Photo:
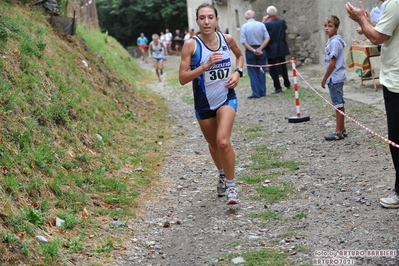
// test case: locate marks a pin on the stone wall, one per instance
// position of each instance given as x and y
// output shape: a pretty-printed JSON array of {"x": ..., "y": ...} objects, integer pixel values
[{"x": 305, "y": 19}]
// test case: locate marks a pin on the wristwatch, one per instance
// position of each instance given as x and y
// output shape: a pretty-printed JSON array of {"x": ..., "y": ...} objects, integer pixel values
[{"x": 239, "y": 70}]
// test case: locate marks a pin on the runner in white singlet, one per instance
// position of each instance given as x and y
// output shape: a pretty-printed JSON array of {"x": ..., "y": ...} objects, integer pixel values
[{"x": 158, "y": 52}]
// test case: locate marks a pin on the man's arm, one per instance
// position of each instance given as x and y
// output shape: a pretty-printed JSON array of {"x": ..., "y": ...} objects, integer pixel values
[
  {"x": 358, "y": 14},
  {"x": 265, "y": 41},
  {"x": 264, "y": 44},
  {"x": 249, "y": 47}
]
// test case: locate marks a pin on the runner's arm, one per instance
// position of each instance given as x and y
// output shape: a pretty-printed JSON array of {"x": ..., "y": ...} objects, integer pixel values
[{"x": 185, "y": 73}]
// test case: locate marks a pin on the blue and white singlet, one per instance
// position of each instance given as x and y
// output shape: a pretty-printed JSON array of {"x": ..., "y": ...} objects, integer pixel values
[
  {"x": 210, "y": 91},
  {"x": 157, "y": 50}
]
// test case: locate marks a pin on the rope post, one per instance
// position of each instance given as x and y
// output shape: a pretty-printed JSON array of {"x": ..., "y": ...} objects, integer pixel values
[{"x": 298, "y": 118}]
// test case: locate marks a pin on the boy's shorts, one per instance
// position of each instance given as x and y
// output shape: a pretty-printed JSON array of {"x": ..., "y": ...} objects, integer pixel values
[{"x": 337, "y": 94}]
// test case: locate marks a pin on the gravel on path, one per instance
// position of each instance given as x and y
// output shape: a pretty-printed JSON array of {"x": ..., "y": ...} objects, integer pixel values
[{"x": 333, "y": 207}]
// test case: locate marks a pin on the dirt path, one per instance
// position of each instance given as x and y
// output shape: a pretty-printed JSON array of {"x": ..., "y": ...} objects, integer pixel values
[{"x": 332, "y": 208}]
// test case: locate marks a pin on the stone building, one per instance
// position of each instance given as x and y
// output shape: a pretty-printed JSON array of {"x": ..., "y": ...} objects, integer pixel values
[{"x": 305, "y": 19}]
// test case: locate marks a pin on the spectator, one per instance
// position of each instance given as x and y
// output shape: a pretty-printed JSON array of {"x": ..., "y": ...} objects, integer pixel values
[
  {"x": 374, "y": 16},
  {"x": 168, "y": 39},
  {"x": 162, "y": 39},
  {"x": 386, "y": 32},
  {"x": 277, "y": 49},
  {"x": 334, "y": 76},
  {"x": 178, "y": 39},
  {"x": 254, "y": 37},
  {"x": 187, "y": 35}
]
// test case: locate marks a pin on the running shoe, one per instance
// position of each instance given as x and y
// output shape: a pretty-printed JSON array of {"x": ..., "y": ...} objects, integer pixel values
[
  {"x": 232, "y": 197},
  {"x": 221, "y": 188},
  {"x": 391, "y": 202}
]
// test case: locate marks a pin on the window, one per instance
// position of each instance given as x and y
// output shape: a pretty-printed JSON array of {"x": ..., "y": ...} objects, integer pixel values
[{"x": 237, "y": 19}]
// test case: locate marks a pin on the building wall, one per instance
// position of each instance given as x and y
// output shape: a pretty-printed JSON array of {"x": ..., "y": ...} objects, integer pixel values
[{"x": 305, "y": 19}]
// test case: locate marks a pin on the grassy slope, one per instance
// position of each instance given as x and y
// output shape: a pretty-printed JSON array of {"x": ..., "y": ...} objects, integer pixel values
[{"x": 76, "y": 142}]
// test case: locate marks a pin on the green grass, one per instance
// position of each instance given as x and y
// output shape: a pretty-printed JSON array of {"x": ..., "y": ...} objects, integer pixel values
[
  {"x": 268, "y": 165},
  {"x": 8, "y": 238},
  {"x": 173, "y": 81},
  {"x": 265, "y": 158},
  {"x": 76, "y": 245},
  {"x": 71, "y": 139},
  {"x": 272, "y": 194},
  {"x": 256, "y": 131},
  {"x": 264, "y": 257},
  {"x": 268, "y": 215},
  {"x": 251, "y": 179},
  {"x": 73, "y": 136},
  {"x": 359, "y": 110},
  {"x": 51, "y": 250}
]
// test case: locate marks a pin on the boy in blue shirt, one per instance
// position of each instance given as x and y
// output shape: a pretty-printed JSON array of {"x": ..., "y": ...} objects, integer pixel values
[{"x": 334, "y": 75}]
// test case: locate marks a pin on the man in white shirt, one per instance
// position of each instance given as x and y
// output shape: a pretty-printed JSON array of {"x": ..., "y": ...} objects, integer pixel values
[
  {"x": 168, "y": 40},
  {"x": 386, "y": 32},
  {"x": 374, "y": 15}
]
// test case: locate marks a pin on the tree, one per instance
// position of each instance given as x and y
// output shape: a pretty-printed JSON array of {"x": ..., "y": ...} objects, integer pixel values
[{"x": 126, "y": 19}]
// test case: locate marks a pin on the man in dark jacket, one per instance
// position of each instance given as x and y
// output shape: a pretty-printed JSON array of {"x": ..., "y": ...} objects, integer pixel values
[{"x": 277, "y": 49}]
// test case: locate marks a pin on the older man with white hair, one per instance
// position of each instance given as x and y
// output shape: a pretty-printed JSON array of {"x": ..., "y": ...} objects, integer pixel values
[
  {"x": 277, "y": 49},
  {"x": 255, "y": 38}
]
